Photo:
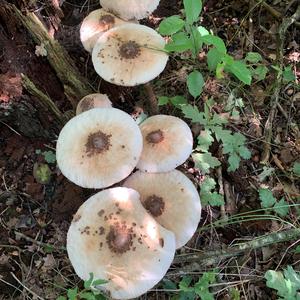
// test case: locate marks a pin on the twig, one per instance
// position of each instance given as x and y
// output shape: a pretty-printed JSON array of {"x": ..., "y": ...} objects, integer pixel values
[
  {"x": 153, "y": 104},
  {"x": 25, "y": 287},
  {"x": 211, "y": 257},
  {"x": 221, "y": 192},
  {"x": 286, "y": 23},
  {"x": 275, "y": 13},
  {"x": 45, "y": 101}
]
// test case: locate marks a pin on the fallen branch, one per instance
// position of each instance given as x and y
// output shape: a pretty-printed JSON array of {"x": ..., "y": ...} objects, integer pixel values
[
  {"x": 212, "y": 257},
  {"x": 75, "y": 85},
  {"x": 44, "y": 100},
  {"x": 286, "y": 23}
]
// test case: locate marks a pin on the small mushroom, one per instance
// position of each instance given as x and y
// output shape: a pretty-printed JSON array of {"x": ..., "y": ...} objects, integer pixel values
[
  {"x": 172, "y": 199},
  {"x": 168, "y": 142},
  {"x": 130, "y": 9},
  {"x": 95, "y": 24},
  {"x": 93, "y": 101},
  {"x": 113, "y": 237},
  {"x": 129, "y": 55},
  {"x": 99, "y": 147}
]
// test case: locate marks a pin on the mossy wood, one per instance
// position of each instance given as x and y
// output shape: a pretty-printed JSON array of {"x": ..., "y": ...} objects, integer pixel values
[{"x": 75, "y": 85}]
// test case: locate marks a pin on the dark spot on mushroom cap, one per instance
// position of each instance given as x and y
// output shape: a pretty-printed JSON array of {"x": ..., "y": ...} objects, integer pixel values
[
  {"x": 119, "y": 238},
  {"x": 129, "y": 50},
  {"x": 101, "y": 212},
  {"x": 155, "y": 137},
  {"x": 154, "y": 205},
  {"x": 101, "y": 230},
  {"x": 97, "y": 143},
  {"x": 76, "y": 218},
  {"x": 161, "y": 242}
]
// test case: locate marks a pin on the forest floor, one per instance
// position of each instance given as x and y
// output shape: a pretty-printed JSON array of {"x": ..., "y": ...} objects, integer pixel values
[{"x": 35, "y": 215}]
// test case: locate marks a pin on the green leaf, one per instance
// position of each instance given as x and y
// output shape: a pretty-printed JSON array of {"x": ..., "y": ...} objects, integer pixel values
[
  {"x": 88, "y": 282},
  {"x": 99, "y": 282},
  {"x": 296, "y": 168},
  {"x": 171, "y": 25},
  {"x": 214, "y": 57},
  {"x": 163, "y": 100},
  {"x": 206, "y": 194},
  {"x": 205, "y": 140},
  {"x": 61, "y": 298},
  {"x": 244, "y": 152},
  {"x": 168, "y": 284},
  {"x": 195, "y": 83},
  {"x": 50, "y": 157},
  {"x": 253, "y": 57},
  {"x": 178, "y": 101},
  {"x": 42, "y": 173},
  {"x": 193, "y": 113},
  {"x": 281, "y": 208},
  {"x": 180, "y": 43},
  {"x": 72, "y": 293},
  {"x": 260, "y": 72},
  {"x": 205, "y": 161},
  {"x": 184, "y": 284},
  {"x": 240, "y": 70},
  {"x": 215, "y": 41},
  {"x": 234, "y": 162},
  {"x": 266, "y": 198},
  {"x": 202, "y": 30},
  {"x": 87, "y": 296},
  {"x": 192, "y": 10},
  {"x": 267, "y": 171},
  {"x": 288, "y": 74}
]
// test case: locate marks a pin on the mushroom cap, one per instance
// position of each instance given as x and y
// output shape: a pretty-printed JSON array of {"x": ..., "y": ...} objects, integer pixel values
[
  {"x": 93, "y": 101},
  {"x": 95, "y": 24},
  {"x": 130, "y": 9},
  {"x": 172, "y": 199},
  {"x": 99, "y": 147},
  {"x": 129, "y": 55},
  {"x": 168, "y": 142},
  {"x": 114, "y": 237}
]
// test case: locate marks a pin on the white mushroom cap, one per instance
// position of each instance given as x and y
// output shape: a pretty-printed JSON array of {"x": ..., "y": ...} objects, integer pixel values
[
  {"x": 129, "y": 55},
  {"x": 93, "y": 101},
  {"x": 114, "y": 237},
  {"x": 168, "y": 142},
  {"x": 172, "y": 199},
  {"x": 99, "y": 147},
  {"x": 130, "y": 9},
  {"x": 95, "y": 24}
]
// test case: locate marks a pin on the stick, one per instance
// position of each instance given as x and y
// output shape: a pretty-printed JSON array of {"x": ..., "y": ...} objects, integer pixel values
[
  {"x": 75, "y": 85},
  {"x": 153, "y": 105},
  {"x": 210, "y": 257},
  {"x": 45, "y": 101}
]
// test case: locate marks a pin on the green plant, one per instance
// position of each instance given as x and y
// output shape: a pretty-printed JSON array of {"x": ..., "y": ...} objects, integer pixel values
[
  {"x": 267, "y": 199},
  {"x": 286, "y": 283},
  {"x": 89, "y": 292},
  {"x": 187, "y": 290},
  {"x": 49, "y": 156},
  {"x": 186, "y": 35}
]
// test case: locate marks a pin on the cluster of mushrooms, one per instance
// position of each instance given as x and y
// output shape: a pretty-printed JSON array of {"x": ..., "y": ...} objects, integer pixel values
[{"x": 127, "y": 234}]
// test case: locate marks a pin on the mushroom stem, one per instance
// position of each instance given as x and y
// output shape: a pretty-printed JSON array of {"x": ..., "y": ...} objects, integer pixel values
[
  {"x": 152, "y": 99},
  {"x": 45, "y": 101}
]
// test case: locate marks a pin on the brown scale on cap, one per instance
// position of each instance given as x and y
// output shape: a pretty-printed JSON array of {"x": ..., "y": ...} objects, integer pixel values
[
  {"x": 119, "y": 238},
  {"x": 155, "y": 137},
  {"x": 154, "y": 205},
  {"x": 108, "y": 21},
  {"x": 97, "y": 142},
  {"x": 130, "y": 50}
]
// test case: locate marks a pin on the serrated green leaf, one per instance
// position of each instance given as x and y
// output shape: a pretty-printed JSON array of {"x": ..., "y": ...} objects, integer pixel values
[
  {"x": 215, "y": 199},
  {"x": 215, "y": 41},
  {"x": 244, "y": 152},
  {"x": 234, "y": 162},
  {"x": 281, "y": 208},
  {"x": 208, "y": 184},
  {"x": 180, "y": 43},
  {"x": 288, "y": 74},
  {"x": 178, "y": 101},
  {"x": 253, "y": 57},
  {"x": 171, "y": 25},
  {"x": 168, "y": 284},
  {"x": 267, "y": 171},
  {"x": 88, "y": 282},
  {"x": 192, "y": 112},
  {"x": 72, "y": 293},
  {"x": 195, "y": 83},
  {"x": 163, "y": 100},
  {"x": 266, "y": 198},
  {"x": 205, "y": 161},
  {"x": 260, "y": 72},
  {"x": 87, "y": 296},
  {"x": 205, "y": 140},
  {"x": 240, "y": 70},
  {"x": 184, "y": 284},
  {"x": 296, "y": 168},
  {"x": 42, "y": 173},
  {"x": 50, "y": 157},
  {"x": 192, "y": 10},
  {"x": 214, "y": 57}
]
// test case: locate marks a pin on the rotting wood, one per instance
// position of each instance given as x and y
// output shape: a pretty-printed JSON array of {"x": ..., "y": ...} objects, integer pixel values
[
  {"x": 44, "y": 100},
  {"x": 75, "y": 85}
]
